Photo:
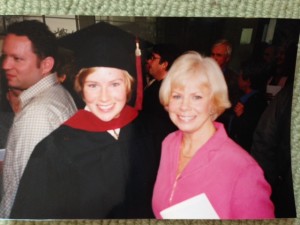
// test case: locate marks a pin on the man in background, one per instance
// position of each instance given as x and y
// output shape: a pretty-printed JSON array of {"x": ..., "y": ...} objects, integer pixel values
[
  {"x": 158, "y": 64},
  {"x": 29, "y": 58},
  {"x": 221, "y": 53}
]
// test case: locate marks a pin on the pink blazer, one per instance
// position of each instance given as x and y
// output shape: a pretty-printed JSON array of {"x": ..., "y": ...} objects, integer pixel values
[{"x": 231, "y": 179}]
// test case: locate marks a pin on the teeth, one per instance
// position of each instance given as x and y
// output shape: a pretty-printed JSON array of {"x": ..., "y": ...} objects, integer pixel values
[
  {"x": 186, "y": 118},
  {"x": 104, "y": 107}
]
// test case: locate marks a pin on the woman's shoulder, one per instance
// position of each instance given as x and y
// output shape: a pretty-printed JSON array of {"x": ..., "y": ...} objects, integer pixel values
[
  {"x": 234, "y": 154},
  {"x": 227, "y": 150}
]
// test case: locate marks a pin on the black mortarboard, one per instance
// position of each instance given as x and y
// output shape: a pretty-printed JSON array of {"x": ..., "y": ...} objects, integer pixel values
[
  {"x": 107, "y": 51},
  {"x": 103, "y": 44}
]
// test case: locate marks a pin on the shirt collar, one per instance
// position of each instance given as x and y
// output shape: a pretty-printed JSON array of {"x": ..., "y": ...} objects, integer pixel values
[{"x": 42, "y": 85}]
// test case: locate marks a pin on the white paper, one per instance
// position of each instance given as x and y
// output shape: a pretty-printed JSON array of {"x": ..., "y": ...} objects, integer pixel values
[
  {"x": 198, "y": 207},
  {"x": 2, "y": 154}
]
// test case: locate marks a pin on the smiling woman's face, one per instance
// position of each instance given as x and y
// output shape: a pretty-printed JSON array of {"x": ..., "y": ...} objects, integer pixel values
[
  {"x": 190, "y": 106},
  {"x": 104, "y": 92}
]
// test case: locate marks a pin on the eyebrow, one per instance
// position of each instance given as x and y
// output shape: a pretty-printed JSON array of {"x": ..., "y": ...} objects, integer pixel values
[{"x": 93, "y": 81}]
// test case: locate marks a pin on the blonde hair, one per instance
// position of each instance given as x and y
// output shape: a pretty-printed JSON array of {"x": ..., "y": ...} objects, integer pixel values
[
  {"x": 83, "y": 74},
  {"x": 192, "y": 65}
]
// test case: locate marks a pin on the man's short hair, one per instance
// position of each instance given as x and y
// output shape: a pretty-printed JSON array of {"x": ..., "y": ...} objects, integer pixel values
[
  {"x": 167, "y": 52},
  {"x": 44, "y": 42}
]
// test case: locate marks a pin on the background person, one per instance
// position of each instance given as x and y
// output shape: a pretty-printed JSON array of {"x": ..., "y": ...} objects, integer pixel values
[
  {"x": 250, "y": 106},
  {"x": 29, "y": 54},
  {"x": 272, "y": 149},
  {"x": 283, "y": 71},
  {"x": 158, "y": 64},
  {"x": 221, "y": 52},
  {"x": 200, "y": 158},
  {"x": 66, "y": 71},
  {"x": 7, "y": 108}
]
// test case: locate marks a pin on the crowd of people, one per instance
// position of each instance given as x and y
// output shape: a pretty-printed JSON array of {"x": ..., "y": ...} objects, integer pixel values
[{"x": 197, "y": 145}]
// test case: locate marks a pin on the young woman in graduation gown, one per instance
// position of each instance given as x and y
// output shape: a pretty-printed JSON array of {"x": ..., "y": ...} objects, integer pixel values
[{"x": 98, "y": 164}]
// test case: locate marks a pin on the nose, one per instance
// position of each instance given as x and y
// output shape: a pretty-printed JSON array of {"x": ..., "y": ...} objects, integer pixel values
[
  {"x": 185, "y": 103},
  {"x": 104, "y": 95}
]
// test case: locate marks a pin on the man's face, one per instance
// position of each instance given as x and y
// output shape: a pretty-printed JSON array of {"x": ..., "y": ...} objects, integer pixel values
[
  {"x": 22, "y": 66},
  {"x": 156, "y": 69},
  {"x": 219, "y": 54}
]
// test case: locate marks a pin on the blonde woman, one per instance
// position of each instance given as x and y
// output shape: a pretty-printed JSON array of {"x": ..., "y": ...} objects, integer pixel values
[{"x": 199, "y": 162}]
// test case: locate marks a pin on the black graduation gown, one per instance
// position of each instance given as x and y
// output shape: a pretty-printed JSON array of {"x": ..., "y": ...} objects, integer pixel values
[
  {"x": 80, "y": 174},
  {"x": 155, "y": 114}
]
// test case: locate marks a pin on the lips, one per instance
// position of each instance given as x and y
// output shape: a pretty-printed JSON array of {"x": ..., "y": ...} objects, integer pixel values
[
  {"x": 105, "y": 108},
  {"x": 10, "y": 76}
]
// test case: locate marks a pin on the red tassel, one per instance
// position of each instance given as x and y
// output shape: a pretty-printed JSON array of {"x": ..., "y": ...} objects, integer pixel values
[{"x": 139, "y": 86}]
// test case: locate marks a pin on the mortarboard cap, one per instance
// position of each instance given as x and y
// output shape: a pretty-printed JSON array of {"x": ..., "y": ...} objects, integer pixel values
[{"x": 105, "y": 51}]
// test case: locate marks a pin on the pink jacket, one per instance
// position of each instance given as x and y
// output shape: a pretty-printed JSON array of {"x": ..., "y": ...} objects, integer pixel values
[{"x": 231, "y": 179}]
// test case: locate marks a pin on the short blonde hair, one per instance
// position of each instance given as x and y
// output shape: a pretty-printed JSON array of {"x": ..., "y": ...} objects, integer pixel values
[
  {"x": 192, "y": 65},
  {"x": 83, "y": 74}
]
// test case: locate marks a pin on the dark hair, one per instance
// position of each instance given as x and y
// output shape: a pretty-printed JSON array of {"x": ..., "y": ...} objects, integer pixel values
[
  {"x": 44, "y": 42},
  {"x": 167, "y": 53}
]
